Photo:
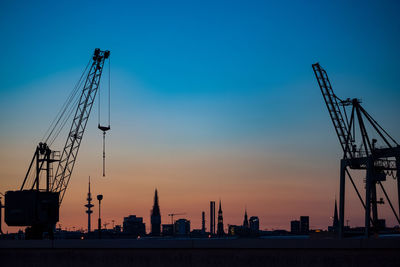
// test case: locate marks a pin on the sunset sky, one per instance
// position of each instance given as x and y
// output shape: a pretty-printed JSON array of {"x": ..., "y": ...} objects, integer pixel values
[{"x": 210, "y": 100}]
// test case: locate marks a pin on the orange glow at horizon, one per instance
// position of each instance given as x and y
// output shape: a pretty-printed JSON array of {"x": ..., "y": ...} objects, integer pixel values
[
  {"x": 192, "y": 155},
  {"x": 277, "y": 193}
]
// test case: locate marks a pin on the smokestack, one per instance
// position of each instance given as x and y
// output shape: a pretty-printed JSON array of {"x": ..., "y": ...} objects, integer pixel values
[
  {"x": 212, "y": 217},
  {"x": 203, "y": 222}
]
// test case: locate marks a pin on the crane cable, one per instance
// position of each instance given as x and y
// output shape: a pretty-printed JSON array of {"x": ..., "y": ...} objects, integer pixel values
[
  {"x": 63, "y": 115},
  {"x": 105, "y": 128},
  {"x": 66, "y": 108}
]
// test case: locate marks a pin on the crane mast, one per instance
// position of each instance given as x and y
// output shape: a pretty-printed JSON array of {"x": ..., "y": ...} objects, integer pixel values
[{"x": 74, "y": 139}]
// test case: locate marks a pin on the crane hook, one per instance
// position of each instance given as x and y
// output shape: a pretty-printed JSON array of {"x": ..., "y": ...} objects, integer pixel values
[{"x": 104, "y": 129}]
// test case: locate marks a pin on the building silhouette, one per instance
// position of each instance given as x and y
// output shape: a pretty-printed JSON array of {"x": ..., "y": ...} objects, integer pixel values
[
  {"x": 381, "y": 224},
  {"x": 245, "y": 221},
  {"x": 234, "y": 230},
  {"x": 254, "y": 224},
  {"x": 247, "y": 229},
  {"x": 167, "y": 229},
  {"x": 118, "y": 229},
  {"x": 134, "y": 226},
  {"x": 155, "y": 217},
  {"x": 220, "y": 226},
  {"x": 212, "y": 217},
  {"x": 304, "y": 224},
  {"x": 295, "y": 227},
  {"x": 182, "y": 227}
]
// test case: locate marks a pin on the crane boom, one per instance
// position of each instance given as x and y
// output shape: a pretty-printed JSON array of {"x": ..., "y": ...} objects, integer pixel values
[
  {"x": 74, "y": 139},
  {"x": 331, "y": 101}
]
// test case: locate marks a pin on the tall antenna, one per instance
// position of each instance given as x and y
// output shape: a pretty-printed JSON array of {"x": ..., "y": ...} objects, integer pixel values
[{"x": 89, "y": 205}]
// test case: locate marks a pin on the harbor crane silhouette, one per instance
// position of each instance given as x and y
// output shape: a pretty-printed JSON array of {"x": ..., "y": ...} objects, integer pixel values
[
  {"x": 36, "y": 204},
  {"x": 379, "y": 157}
]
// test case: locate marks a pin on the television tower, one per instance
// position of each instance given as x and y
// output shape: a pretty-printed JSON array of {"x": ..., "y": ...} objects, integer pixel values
[{"x": 89, "y": 205}]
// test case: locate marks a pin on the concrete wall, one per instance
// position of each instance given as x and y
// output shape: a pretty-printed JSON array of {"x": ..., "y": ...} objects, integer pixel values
[
  {"x": 200, "y": 243},
  {"x": 199, "y": 257},
  {"x": 201, "y": 252}
]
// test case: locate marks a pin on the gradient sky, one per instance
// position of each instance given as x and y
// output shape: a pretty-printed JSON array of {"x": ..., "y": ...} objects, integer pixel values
[{"x": 210, "y": 100}]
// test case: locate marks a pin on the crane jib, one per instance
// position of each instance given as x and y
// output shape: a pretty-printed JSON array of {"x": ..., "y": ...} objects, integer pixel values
[{"x": 74, "y": 139}]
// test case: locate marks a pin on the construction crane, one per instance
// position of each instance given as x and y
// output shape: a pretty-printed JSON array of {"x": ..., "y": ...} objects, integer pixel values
[
  {"x": 38, "y": 207},
  {"x": 379, "y": 157}
]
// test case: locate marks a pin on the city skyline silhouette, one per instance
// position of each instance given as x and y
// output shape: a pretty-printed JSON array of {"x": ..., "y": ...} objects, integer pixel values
[{"x": 222, "y": 106}]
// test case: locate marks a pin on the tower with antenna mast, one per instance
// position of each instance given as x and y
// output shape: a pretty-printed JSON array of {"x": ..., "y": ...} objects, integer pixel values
[{"x": 89, "y": 206}]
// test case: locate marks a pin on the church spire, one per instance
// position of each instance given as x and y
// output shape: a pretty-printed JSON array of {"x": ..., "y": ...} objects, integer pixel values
[
  {"x": 155, "y": 217},
  {"x": 156, "y": 198},
  {"x": 245, "y": 221},
  {"x": 220, "y": 226},
  {"x": 335, "y": 218}
]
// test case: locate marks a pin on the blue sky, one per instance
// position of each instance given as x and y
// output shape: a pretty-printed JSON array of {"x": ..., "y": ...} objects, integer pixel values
[
  {"x": 218, "y": 53},
  {"x": 202, "y": 75}
]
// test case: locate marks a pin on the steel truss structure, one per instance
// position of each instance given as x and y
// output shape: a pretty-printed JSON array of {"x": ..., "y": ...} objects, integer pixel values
[{"x": 360, "y": 152}]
